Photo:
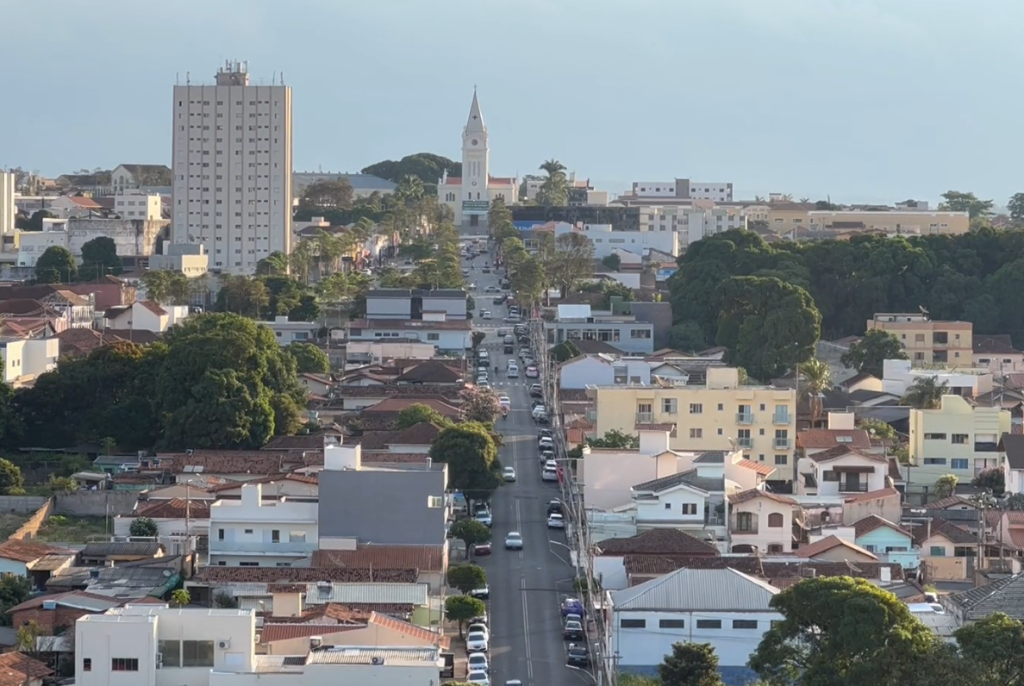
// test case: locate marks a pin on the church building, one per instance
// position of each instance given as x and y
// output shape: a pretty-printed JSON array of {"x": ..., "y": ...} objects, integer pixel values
[{"x": 470, "y": 197}]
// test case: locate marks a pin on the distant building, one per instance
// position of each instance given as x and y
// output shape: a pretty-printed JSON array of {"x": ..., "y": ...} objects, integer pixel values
[
  {"x": 682, "y": 189},
  {"x": 126, "y": 177},
  {"x": 8, "y": 209},
  {"x": 138, "y": 205},
  {"x": 926, "y": 341},
  {"x": 190, "y": 259}
]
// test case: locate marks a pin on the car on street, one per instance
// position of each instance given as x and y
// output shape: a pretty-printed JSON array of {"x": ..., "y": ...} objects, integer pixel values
[
  {"x": 484, "y": 517},
  {"x": 536, "y": 391},
  {"x": 532, "y": 372},
  {"x": 546, "y": 456},
  {"x": 508, "y": 474},
  {"x": 502, "y": 333},
  {"x": 514, "y": 682},
  {"x": 481, "y": 627},
  {"x": 573, "y": 631},
  {"x": 491, "y": 289},
  {"x": 549, "y": 475},
  {"x": 504, "y": 401},
  {"x": 485, "y": 314},
  {"x": 555, "y": 506},
  {"x": 477, "y": 662},
  {"x": 572, "y": 606},
  {"x": 546, "y": 443},
  {"x": 577, "y": 656},
  {"x": 550, "y": 464},
  {"x": 481, "y": 550},
  {"x": 476, "y": 641},
  {"x": 556, "y": 521},
  {"x": 483, "y": 383},
  {"x": 514, "y": 541},
  {"x": 542, "y": 419},
  {"x": 513, "y": 371},
  {"x": 538, "y": 408},
  {"x": 481, "y": 594},
  {"x": 481, "y": 619},
  {"x": 479, "y": 679},
  {"x": 408, "y": 261},
  {"x": 510, "y": 318},
  {"x": 486, "y": 270},
  {"x": 497, "y": 301}
]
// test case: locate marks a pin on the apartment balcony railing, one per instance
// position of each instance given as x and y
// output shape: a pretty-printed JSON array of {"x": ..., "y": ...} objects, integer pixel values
[
  {"x": 782, "y": 444},
  {"x": 745, "y": 442},
  {"x": 859, "y": 487},
  {"x": 743, "y": 530},
  {"x": 263, "y": 547},
  {"x": 986, "y": 447},
  {"x": 644, "y": 417},
  {"x": 783, "y": 419},
  {"x": 744, "y": 418}
]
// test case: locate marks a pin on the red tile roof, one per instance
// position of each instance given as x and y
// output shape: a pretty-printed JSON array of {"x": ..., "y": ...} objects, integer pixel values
[
  {"x": 15, "y": 666},
  {"x": 648, "y": 565},
  {"x": 399, "y": 404},
  {"x": 82, "y": 201},
  {"x": 277, "y": 631},
  {"x": 175, "y": 508},
  {"x": 872, "y": 522},
  {"x": 423, "y": 433},
  {"x": 754, "y": 493},
  {"x": 759, "y": 467},
  {"x": 410, "y": 630},
  {"x": 818, "y": 439},
  {"x": 950, "y": 501},
  {"x": 657, "y": 542},
  {"x": 423, "y": 557},
  {"x": 394, "y": 458},
  {"x": 233, "y": 462},
  {"x": 948, "y": 530},
  {"x": 27, "y": 551},
  {"x": 829, "y": 543},
  {"x": 273, "y": 478},
  {"x": 153, "y": 307}
]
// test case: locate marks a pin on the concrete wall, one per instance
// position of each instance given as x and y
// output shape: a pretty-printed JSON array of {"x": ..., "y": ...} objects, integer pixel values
[
  {"x": 95, "y": 503},
  {"x": 30, "y": 528},
  {"x": 21, "y": 504}
]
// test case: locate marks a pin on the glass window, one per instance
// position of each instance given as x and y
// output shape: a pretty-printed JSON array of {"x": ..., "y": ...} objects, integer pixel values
[
  {"x": 633, "y": 623},
  {"x": 709, "y": 624},
  {"x": 937, "y": 551},
  {"x": 959, "y": 463},
  {"x": 672, "y": 624},
  {"x": 126, "y": 664},
  {"x": 744, "y": 624},
  {"x": 170, "y": 652},
  {"x": 197, "y": 653}
]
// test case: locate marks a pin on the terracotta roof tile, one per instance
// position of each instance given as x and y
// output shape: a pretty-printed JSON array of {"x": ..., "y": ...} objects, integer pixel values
[
  {"x": 278, "y": 631},
  {"x": 386, "y": 457},
  {"x": 273, "y": 478},
  {"x": 423, "y": 433},
  {"x": 432, "y": 371},
  {"x": 153, "y": 307},
  {"x": 15, "y": 666},
  {"x": 649, "y": 565},
  {"x": 950, "y": 501},
  {"x": 657, "y": 542},
  {"x": 871, "y": 495},
  {"x": 815, "y": 439},
  {"x": 872, "y": 522},
  {"x": 269, "y": 575},
  {"x": 175, "y": 508},
  {"x": 948, "y": 530},
  {"x": 232, "y": 461},
  {"x": 288, "y": 443},
  {"x": 423, "y": 557},
  {"x": 838, "y": 451},
  {"x": 829, "y": 543},
  {"x": 759, "y": 467},
  {"x": 754, "y": 493},
  {"x": 410, "y": 630},
  {"x": 398, "y": 404},
  {"x": 27, "y": 551}
]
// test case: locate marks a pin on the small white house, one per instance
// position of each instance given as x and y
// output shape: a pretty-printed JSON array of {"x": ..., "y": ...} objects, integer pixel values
[
  {"x": 145, "y": 315},
  {"x": 288, "y": 332},
  {"x": 841, "y": 471},
  {"x": 603, "y": 370},
  {"x": 723, "y": 607},
  {"x": 253, "y": 533}
]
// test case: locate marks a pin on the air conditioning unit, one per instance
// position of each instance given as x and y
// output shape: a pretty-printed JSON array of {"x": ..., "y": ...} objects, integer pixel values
[
  {"x": 224, "y": 645},
  {"x": 377, "y": 660}
]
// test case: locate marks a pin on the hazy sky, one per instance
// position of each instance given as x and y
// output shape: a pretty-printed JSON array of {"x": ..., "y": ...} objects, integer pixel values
[{"x": 869, "y": 100}]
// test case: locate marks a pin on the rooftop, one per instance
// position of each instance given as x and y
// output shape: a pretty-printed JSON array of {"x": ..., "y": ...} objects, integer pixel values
[
  {"x": 381, "y": 557},
  {"x": 27, "y": 551},
  {"x": 1004, "y": 595},
  {"x": 411, "y": 324},
  {"x": 214, "y": 575},
  {"x": 698, "y": 590},
  {"x": 822, "y": 439},
  {"x": 830, "y": 543},
  {"x": 657, "y": 542},
  {"x": 386, "y": 657},
  {"x": 779, "y": 568},
  {"x": 754, "y": 493}
]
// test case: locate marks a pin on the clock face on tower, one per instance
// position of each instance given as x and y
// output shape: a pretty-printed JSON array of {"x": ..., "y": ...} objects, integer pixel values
[
  {"x": 474, "y": 142},
  {"x": 474, "y": 183}
]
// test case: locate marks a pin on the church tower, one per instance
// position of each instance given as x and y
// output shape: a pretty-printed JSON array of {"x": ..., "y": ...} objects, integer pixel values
[{"x": 475, "y": 156}]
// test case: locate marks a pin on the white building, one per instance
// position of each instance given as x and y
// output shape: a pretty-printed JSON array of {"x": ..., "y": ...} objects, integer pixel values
[
  {"x": 692, "y": 221},
  {"x": 138, "y": 205},
  {"x": 190, "y": 259},
  {"x": 899, "y": 375},
  {"x": 723, "y": 607},
  {"x": 232, "y": 165},
  {"x": 32, "y": 244},
  {"x": 684, "y": 189},
  {"x": 606, "y": 240},
  {"x": 470, "y": 197},
  {"x": 288, "y": 332},
  {"x": 132, "y": 237},
  {"x": 253, "y": 533},
  {"x": 25, "y": 359},
  {"x": 7, "y": 207},
  {"x": 145, "y": 315},
  {"x": 602, "y": 370}
]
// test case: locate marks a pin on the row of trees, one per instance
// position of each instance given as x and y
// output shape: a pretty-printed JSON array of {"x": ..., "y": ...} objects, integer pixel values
[{"x": 99, "y": 258}]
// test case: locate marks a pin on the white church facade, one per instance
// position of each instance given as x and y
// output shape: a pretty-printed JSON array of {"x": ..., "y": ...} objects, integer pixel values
[{"x": 470, "y": 197}]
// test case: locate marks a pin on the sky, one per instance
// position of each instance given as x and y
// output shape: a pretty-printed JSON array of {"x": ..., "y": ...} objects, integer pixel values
[{"x": 859, "y": 100}]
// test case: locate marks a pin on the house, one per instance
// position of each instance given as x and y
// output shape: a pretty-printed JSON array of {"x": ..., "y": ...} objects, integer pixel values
[
  {"x": 602, "y": 369},
  {"x": 579, "y": 322},
  {"x": 430, "y": 561},
  {"x": 947, "y": 551},
  {"x": 609, "y": 555},
  {"x": 55, "y": 612},
  {"x": 112, "y": 553},
  {"x": 316, "y": 384},
  {"x": 1012, "y": 445},
  {"x": 416, "y": 511},
  {"x": 34, "y": 560},
  {"x": 128, "y": 582},
  {"x": 145, "y": 315},
  {"x": 131, "y": 176},
  {"x": 722, "y": 607},
  {"x": 836, "y": 549},
  {"x": 1002, "y": 595},
  {"x": 382, "y": 414},
  {"x": 293, "y": 486},
  {"x": 448, "y": 335},
  {"x": 841, "y": 432},
  {"x": 74, "y": 206},
  {"x": 378, "y": 629},
  {"x": 761, "y": 521},
  {"x": 996, "y": 351},
  {"x": 888, "y": 541},
  {"x": 288, "y": 332},
  {"x": 234, "y": 465},
  {"x": 252, "y": 532},
  {"x": 175, "y": 517},
  {"x": 18, "y": 669},
  {"x": 842, "y": 470}
]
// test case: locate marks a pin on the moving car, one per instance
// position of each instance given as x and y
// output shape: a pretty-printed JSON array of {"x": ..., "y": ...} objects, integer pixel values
[
  {"x": 476, "y": 641},
  {"x": 485, "y": 314},
  {"x": 577, "y": 656},
  {"x": 479, "y": 679},
  {"x": 505, "y": 401},
  {"x": 513, "y": 371},
  {"x": 510, "y": 318},
  {"x": 532, "y": 372},
  {"x": 483, "y": 383},
  {"x": 556, "y": 521},
  {"x": 477, "y": 662},
  {"x": 509, "y": 474},
  {"x": 491, "y": 289},
  {"x": 481, "y": 550},
  {"x": 484, "y": 517},
  {"x": 514, "y": 541},
  {"x": 573, "y": 631}
]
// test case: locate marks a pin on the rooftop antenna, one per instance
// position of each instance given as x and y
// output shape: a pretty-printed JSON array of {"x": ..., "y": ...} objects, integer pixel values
[
  {"x": 273, "y": 78},
  {"x": 282, "y": 78},
  {"x": 188, "y": 78}
]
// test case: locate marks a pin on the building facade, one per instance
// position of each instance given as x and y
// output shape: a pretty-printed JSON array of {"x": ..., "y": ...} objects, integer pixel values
[
  {"x": 253, "y": 533},
  {"x": 7, "y": 206},
  {"x": 138, "y": 205},
  {"x": 232, "y": 165},
  {"x": 683, "y": 189},
  {"x": 606, "y": 240},
  {"x": 927, "y": 341}
]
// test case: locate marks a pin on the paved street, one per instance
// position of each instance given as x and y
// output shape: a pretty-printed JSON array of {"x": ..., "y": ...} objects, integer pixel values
[{"x": 526, "y": 586}]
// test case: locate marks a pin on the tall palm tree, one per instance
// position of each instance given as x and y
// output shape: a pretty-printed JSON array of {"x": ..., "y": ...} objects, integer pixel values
[
  {"x": 925, "y": 393},
  {"x": 555, "y": 189},
  {"x": 553, "y": 168},
  {"x": 302, "y": 259},
  {"x": 816, "y": 378}
]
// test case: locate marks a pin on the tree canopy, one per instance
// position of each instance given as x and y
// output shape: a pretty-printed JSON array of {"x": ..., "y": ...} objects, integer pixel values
[
  {"x": 417, "y": 413},
  {"x": 56, "y": 265},
  {"x": 309, "y": 359},
  {"x": 425, "y": 166},
  {"x": 690, "y": 664},
  {"x": 870, "y": 352},
  {"x": 472, "y": 458},
  {"x": 99, "y": 258}
]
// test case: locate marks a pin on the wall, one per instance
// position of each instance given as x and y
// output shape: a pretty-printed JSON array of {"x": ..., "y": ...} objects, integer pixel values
[
  {"x": 331, "y": 675},
  {"x": 21, "y": 504},
  {"x": 372, "y": 635},
  {"x": 944, "y": 568},
  {"x": 48, "y": 620},
  {"x": 887, "y": 507},
  {"x": 132, "y": 237},
  {"x": 96, "y": 503},
  {"x": 30, "y": 528}
]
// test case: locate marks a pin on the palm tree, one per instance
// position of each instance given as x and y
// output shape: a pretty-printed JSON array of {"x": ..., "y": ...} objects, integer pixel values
[
  {"x": 555, "y": 189},
  {"x": 274, "y": 264},
  {"x": 925, "y": 393},
  {"x": 553, "y": 168},
  {"x": 302, "y": 258},
  {"x": 817, "y": 378}
]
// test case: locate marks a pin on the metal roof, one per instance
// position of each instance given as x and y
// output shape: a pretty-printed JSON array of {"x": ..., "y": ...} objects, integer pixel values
[
  {"x": 698, "y": 590},
  {"x": 573, "y": 311},
  {"x": 344, "y": 593}
]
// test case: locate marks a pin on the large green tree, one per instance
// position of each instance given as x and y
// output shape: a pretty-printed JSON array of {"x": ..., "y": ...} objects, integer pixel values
[
  {"x": 99, "y": 258},
  {"x": 56, "y": 265},
  {"x": 472, "y": 458},
  {"x": 690, "y": 664},
  {"x": 327, "y": 194},
  {"x": 767, "y": 325},
  {"x": 418, "y": 413},
  {"x": 870, "y": 352},
  {"x": 925, "y": 393},
  {"x": 572, "y": 262},
  {"x": 995, "y": 646},
  {"x": 170, "y": 287},
  {"x": 958, "y": 201},
  {"x": 243, "y": 295},
  {"x": 554, "y": 191},
  {"x": 309, "y": 359}
]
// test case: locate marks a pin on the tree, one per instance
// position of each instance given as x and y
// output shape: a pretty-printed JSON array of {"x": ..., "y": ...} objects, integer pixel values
[
  {"x": 11, "y": 480},
  {"x": 612, "y": 261},
  {"x": 470, "y": 532},
  {"x": 479, "y": 405},
  {"x": 61, "y": 484},
  {"x": 169, "y": 287},
  {"x": 839, "y": 630},
  {"x": 309, "y": 359},
  {"x": 957, "y": 201},
  {"x": 274, "y": 264},
  {"x": 690, "y": 664},
  {"x": 466, "y": 577},
  {"x": 687, "y": 337},
  {"x": 478, "y": 338},
  {"x": 878, "y": 428},
  {"x": 327, "y": 194},
  {"x": 472, "y": 458},
  {"x": 242, "y": 295},
  {"x": 870, "y": 352},
  {"x": 945, "y": 485},
  {"x": 993, "y": 479},
  {"x": 99, "y": 258},
  {"x": 554, "y": 192},
  {"x": 417, "y": 413},
  {"x": 768, "y": 326},
  {"x": 615, "y": 439},
  {"x": 528, "y": 280},
  {"x": 14, "y": 590},
  {"x": 462, "y": 608},
  {"x": 925, "y": 393},
  {"x": 180, "y": 597},
  {"x": 1016, "y": 208},
  {"x": 56, "y": 265},
  {"x": 286, "y": 297},
  {"x": 817, "y": 378},
  {"x": 26, "y": 640},
  {"x": 144, "y": 527},
  {"x": 994, "y": 645},
  {"x": 35, "y": 223},
  {"x": 573, "y": 261}
]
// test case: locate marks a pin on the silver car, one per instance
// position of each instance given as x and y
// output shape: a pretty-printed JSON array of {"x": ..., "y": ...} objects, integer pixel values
[{"x": 476, "y": 642}]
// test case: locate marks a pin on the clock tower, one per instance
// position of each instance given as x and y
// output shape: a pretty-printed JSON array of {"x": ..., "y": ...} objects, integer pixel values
[{"x": 475, "y": 156}]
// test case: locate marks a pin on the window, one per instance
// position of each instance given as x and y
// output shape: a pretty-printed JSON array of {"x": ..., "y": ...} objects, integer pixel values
[
  {"x": 744, "y": 624},
  {"x": 170, "y": 653},
  {"x": 435, "y": 501},
  {"x": 275, "y": 536},
  {"x": 781, "y": 459},
  {"x": 248, "y": 564},
  {"x": 696, "y": 433},
  {"x": 297, "y": 536},
  {"x": 937, "y": 551},
  {"x": 935, "y": 460},
  {"x": 709, "y": 624},
  {"x": 632, "y": 623},
  {"x": 775, "y": 520},
  {"x": 640, "y": 333},
  {"x": 197, "y": 653},
  {"x": 830, "y": 475},
  {"x": 433, "y": 336},
  {"x": 671, "y": 623},
  {"x": 87, "y": 664},
  {"x": 720, "y": 407},
  {"x": 935, "y": 437},
  {"x": 958, "y": 463},
  {"x": 220, "y": 534},
  {"x": 668, "y": 405},
  {"x": 689, "y": 508},
  {"x": 959, "y": 439},
  {"x": 126, "y": 664}
]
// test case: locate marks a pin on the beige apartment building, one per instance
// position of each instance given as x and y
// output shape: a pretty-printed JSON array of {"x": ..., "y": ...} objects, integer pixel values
[
  {"x": 715, "y": 415},
  {"x": 928, "y": 342},
  {"x": 785, "y": 217}
]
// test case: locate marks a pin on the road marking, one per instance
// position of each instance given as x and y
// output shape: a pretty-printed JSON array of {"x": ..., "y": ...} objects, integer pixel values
[
  {"x": 526, "y": 629},
  {"x": 519, "y": 526}
]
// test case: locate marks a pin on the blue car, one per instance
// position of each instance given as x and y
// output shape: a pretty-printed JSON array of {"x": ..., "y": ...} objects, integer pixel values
[{"x": 572, "y": 606}]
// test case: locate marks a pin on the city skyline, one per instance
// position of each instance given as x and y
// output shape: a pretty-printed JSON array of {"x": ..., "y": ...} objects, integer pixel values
[{"x": 858, "y": 100}]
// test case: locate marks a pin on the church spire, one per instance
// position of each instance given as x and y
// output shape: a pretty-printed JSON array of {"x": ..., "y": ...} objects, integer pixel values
[{"x": 475, "y": 123}]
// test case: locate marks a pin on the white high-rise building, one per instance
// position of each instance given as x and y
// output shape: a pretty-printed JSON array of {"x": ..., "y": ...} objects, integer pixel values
[
  {"x": 232, "y": 164},
  {"x": 7, "y": 206}
]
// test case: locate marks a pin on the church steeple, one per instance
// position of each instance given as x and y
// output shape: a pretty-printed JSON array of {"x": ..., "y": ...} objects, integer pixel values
[{"x": 475, "y": 123}]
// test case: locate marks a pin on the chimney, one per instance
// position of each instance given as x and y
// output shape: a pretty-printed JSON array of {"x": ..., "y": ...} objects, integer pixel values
[{"x": 252, "y": 495}]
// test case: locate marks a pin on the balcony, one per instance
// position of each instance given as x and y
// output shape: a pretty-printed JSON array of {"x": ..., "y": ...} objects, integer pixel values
[
  {"x": 261, "y": 548},
  {"x": 853, "y": 487},
  {"x": 744, "y": 418},
  {"x": 644, "y": 417},
  {"x": 781, "y": 419},
  {"x": 986, "y": 447},
  {"x": 782, "y": 444},
  {"x": 745, "y": 443}
]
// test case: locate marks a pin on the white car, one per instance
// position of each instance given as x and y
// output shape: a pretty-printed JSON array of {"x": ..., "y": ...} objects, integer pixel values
[
  {"x": 550, "y": 464},
  {"x": 476, "y": 642},
  {"x": 555, "y": 521},
  {"x": 478, "y": 663},
  {"x": 485, "y": 314},
  {"x": 505, "y": 401},
  {"x": 539, "y": 410},
  {"x": 513, "y": 371},
  {"x": 483, "y": 383},
  {"x": 484, "y": 517},
  {"x": 509, "y": 474},
  {"x": 549, "y": 475},
  {"x": 479, "y": 627},
  {"x": 480, "y": 678},
  {"x": 514, "y": 541},
  {"x": 546, "y": 443}
]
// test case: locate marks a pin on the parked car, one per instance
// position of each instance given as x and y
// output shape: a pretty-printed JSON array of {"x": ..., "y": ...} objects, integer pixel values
[
  {"x": 536, "y": 391},
  {"x": 513, "y": 371},
  {"x": 547, "y": 456},
  {"x": 514, "y": 541},
  {"x": 573, "y": 631},
  {"x": 481, "y": 593},
  {"x": 485, "y": 314},
  {"x": 477, "y": 662},
  {"x": 555, "y": 521},
  {"x": 509, "y": 474},
  {"x": 555, "y": 506},
  {"x": 572, "y": 606},
  {"x": 476, "y": 641},
  {"x": 577, "y": 656},
  {"x": 510, "y": 318},
  {"x": 544, "y": 433},
  {"x": 542, "y": 419},
  {"x": 484, "y": 517},
  {"x": 532, "y": 372},
  {"x": 481, "y": 627},
  {"x": 539, "y": 409},
  {"x": 549, "y": 475},
  {"x": 482, "y": 550},
  {"x": 479, "y": 679},
  {"x": 483, "y": 384}
]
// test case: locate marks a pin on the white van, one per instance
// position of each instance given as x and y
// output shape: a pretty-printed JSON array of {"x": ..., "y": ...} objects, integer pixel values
[{"x": 513, "y": 371}]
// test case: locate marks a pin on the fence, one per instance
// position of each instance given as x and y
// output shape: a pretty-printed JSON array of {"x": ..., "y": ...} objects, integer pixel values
[
  {"x": 30, "y": 528},
  {"x": 21, "y": 504},
  {"x": 96, "y": 503}
]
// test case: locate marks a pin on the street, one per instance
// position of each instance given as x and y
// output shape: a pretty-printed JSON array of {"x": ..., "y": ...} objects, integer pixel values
[{"x": 526, "y": 586}]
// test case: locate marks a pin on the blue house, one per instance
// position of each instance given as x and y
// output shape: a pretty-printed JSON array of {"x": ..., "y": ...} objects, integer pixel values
[{"x": 888, "y": 541}]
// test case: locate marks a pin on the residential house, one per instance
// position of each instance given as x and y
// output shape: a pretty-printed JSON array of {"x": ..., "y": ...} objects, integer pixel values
[
  {"x": 19, "y": 669},
  {"x": 288, "y": 332},
  {"x": 579, "y": 322},
  {"x": 1001, "y": 595},
  {"x": 454, "y": 335},
  {"x": 886, "y": 503},
  {"x": 113, "y": 553},
  {"x": 898, "y": 376},
  {"x": 761, "y": 521},
  {"x": 378, "y": 630},
  {"x": 359, "y": 353},
  {"x": 997, "y": 352},
  {"x": 316, "y": 384},
  {"x": 430, "y": 561},
  {"x": 34, "y": 560},
  {"x": 411, "y": 444},
  {"x": 841, "y": 432},
  {"x": 235, "y": 465},
  {"x": 416, "y": 513},
  {"x": 836, "y": 549},
  {"x": 383, "y": 414},
  {"x": 947, "y": 551},
  {"x": 125, "y": 177},
  {"x": 1012, "y": 446},
  {"x": 174, "y": 518},
  {"x": 713, "y": 415},
  {"x": 293, "y": 487},
  {"x": 254, "y": 533},
  {"x": 145, "y": 315},
  {"x": 926, "y": 341},
  {"x": 25, "y": 359},
  {"x": 609, "y": 555},
  {"x": 128, "y": 582},
  {"x": 74, "y": 207},
  {"x": 957, "y": 438},
  {"x": 888, "y": 541},
  {"x": 842, "y": 470},
  {"x": 725, "y": 608},
  {"x": 55, "y": 612}
]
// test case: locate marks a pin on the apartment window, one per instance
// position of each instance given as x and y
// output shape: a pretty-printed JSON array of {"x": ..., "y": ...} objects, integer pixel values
[
  {"x": 696, "y": 408},
  {"x": 197, "y": 653},
  {"x": 937, "y": 551},
  {"x": 919, "y": 338},
  {"x": 126, "y": 664},
  {"x": 721, "y": 407},
  {"x": 672, "y": 624},
  {"x": 744, "y": 624},
  {"x": 296, "y": 536},
  {"x": 632, "y": 623},
  {"x": 220, "y": 534},
  {"x": 709, "y": 624},
  {"x": 935, "y": 460},
  {"x": 248, "y": 531},
  {"x": 170, "y": 653},
  {"x": 689, "y": 508},
  {"x": 959, "y": 439},
  {"x": 935, "y": 437},
  {"x": 248, "y": 564},
  {"x": 696, "y": 433},
  {"x": 640, "y": 333},
  {"x": 668, "y": 405},
  {"x": 87, "y": 664},
  {"x": 775, "y": 520},
  {"x": 275, "y": 536},
  {"x": 435, "y": 501},
  {"x": 830, "y": 476},
  {"x": 958, "y": 463},
  {"x": 744, "y": 521}
]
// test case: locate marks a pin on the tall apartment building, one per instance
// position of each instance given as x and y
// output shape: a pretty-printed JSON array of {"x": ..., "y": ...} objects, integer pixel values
[
  {"x": 232, "y": 165},
  {"x": 7, "y": 207},
  {"x": 928, "y": 342},
  {"x": 683, "y": 189}
]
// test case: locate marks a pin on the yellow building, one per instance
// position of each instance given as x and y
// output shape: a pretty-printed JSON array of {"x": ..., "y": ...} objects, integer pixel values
[
  {"x": 927, "y": 341},
  {"x": 958, "y": 438},
  {"x": 787, "y": 216},
  {"x": 760, "y": 420}
]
